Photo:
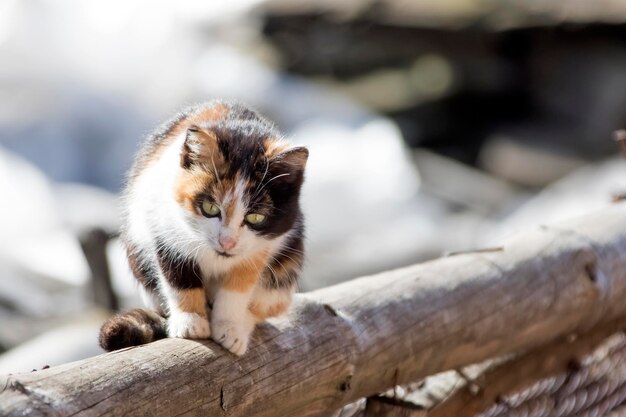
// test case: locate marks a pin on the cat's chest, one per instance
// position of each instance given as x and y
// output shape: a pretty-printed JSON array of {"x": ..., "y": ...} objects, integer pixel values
[{"x": 212, "y": 266}]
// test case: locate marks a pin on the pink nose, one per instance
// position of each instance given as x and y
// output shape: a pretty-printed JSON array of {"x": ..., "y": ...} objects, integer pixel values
[{"x": 227, "y": 243}]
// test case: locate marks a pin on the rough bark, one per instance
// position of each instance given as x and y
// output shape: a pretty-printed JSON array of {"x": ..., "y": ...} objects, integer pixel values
[{"x": 361, "y": 337}]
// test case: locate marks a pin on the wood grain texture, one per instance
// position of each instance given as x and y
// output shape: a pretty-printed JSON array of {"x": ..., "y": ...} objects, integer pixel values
[
  {"x": 361, "y": 337},
  {"x": 471, "y": 390}
]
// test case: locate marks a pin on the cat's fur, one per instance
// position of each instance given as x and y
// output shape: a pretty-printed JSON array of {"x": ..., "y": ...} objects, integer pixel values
[{"x": 211, "y": 276}]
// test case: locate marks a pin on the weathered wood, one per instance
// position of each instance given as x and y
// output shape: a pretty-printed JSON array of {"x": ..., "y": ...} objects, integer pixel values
[
  {"x": 467, "y": 392},
  {"x": 482, "y": 14},
  {"x": 94, "y": 245},
  {"x": 510, "y": 377},
  {"x": 361, "y": 337}
]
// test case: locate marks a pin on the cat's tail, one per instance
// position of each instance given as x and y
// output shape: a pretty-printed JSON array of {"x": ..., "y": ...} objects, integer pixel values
[{"x": 132, "y": 328}]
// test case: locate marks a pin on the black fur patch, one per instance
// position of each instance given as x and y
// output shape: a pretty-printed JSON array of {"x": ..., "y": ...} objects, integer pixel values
[
  {"x": 142, "y": 269},
  {"x": 284, "y": 192},
  {"x": 181, "y": 273},
  {"x": 284, "y": 269}
]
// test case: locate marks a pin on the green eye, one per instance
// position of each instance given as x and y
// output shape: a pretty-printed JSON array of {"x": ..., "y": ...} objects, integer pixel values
[
  {"x": 210, "y": 209},
  {"x": 255, "y": 218}
]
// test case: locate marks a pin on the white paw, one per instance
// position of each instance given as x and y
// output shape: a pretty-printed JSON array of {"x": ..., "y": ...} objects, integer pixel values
[
  {"x": 188, "y": 326},
  {"x": 233, "y": 336}
]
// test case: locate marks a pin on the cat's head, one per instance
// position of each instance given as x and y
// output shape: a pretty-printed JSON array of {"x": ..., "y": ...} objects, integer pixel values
[{"x": 239, "y": 185}]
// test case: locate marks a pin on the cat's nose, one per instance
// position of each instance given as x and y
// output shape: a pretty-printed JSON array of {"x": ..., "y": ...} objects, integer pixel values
[{"x": 227, "y": 243}]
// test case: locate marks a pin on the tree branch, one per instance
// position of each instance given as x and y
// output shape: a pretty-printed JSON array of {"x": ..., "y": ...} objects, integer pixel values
[{"x": 361, "y": 337}]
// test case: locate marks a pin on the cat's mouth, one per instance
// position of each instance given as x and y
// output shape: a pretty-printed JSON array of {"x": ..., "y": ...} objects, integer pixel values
[{"x": 224, "y": 254}]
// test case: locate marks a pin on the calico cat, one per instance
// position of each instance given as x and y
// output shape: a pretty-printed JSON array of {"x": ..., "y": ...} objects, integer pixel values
[{"x": 213, "y": 228}]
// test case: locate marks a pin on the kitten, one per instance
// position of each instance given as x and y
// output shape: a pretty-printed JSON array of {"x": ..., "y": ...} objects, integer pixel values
[{"x": 213, "y": 228}]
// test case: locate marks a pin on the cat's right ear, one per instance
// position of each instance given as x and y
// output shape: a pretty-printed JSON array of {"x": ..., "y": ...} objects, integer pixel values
[{"x": 200, "y": 148}]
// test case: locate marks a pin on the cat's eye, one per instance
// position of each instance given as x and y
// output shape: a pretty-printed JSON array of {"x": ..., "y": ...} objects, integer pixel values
[
  {"x": 210, "y": 209},
  {"x": 255, "y": 218}
]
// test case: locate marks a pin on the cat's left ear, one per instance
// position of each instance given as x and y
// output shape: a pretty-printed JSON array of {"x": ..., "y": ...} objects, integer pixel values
[
  {"x": 288, "y": 167},
  {"x": 293, "y": 159}
]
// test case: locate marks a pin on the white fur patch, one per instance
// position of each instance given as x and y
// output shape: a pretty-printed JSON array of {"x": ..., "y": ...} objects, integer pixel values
[
  {"x": 151, "y": 300},
  {"x": 188, "y": 326},
  {"x": 231, "y": 322}
]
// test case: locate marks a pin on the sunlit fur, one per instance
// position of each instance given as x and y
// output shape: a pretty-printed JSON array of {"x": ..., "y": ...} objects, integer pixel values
[{"x": 228, "y": 155}]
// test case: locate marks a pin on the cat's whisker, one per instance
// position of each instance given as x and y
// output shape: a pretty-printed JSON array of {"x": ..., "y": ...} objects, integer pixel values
[
  {"x": 197, "y": 249},
  {"x": 273, "y": 274},
  {"x": 291, "y": 249},
  {"x": 289, "y": 257},
  {"x": 278, "y": 176},
  {"x": 267, "y": 168},
  {"x": 282, "y": 266},
  {"x": 273, "y": 178}
]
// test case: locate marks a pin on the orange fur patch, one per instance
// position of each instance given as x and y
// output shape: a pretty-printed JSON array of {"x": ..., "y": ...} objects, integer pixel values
[
  {"x": 192, "y": 301},
  {"x": 189, "y": 184},
  {"x": 262, "y": 313},
  {"x": 256, "y": 310},
  {"x": 207, "y": 115},
  {"x": 229, "y": 211},
  {"x": 274, "y": 147},
  {"x": 243, "y": 276},
  {"x": 277, "y": 309}
]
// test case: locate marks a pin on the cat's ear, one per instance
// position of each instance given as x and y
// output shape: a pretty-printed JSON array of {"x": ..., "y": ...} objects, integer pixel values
[
  {"x": 200, "y": 148},
  {"x": 293, "y": 159},
  {"x": 288, "y": 167}
]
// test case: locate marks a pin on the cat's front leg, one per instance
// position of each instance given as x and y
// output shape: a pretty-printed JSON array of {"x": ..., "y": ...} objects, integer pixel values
[
  {"x": 182, "y": 289},
  {"x": 231, "y": 320},
  {"x": 187, "y": 315}
]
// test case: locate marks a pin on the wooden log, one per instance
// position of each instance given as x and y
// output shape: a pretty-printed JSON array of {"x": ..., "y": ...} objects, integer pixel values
[
  {"x": 513, "y": 376},
  {"x": 94, "y": 244},
  {"x": 472, "y": 390},
  {"x": 361, "y": 337},
  {"x": 441, "y": 14}
]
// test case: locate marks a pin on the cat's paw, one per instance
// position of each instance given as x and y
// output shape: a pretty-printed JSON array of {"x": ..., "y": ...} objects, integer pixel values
[
  {"x": 231, "y": 335},
  {"x": 188, "y": 326}
]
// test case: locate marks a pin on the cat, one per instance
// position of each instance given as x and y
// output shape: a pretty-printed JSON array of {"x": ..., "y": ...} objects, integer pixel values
[{"x": 213, "y": 228}]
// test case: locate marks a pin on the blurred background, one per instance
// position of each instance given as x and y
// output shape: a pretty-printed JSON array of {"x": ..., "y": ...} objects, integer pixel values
[{"x": 433, "y": 127}]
